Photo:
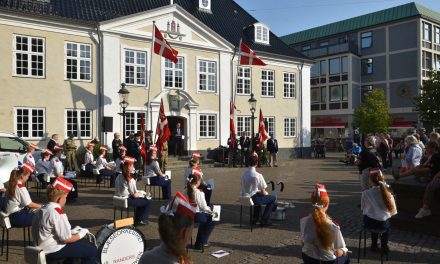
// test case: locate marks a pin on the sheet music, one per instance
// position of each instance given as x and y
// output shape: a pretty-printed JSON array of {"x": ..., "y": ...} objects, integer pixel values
[{"x": 216, "y": 209}]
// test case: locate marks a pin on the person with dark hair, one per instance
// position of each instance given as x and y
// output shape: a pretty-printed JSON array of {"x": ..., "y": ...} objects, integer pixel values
[
  {"x": 18, "y": 200},
  {"x": 57, "y": 170},
  {"x": 367, "y": 161},
  {"x": 104, "y": 168},
  {"x": 245, "y": 143},
  {"x": 44, "y": 169},
  {"x": 52, "y": 142},
  {"x": 178, "y": 138},
  {"x": 175, "y": 229},
  {"x": 321, "y": 237},
  {"x": 119, "y": 162},
  {"x": 154, "y": 176},
  {"x": 254, "y": 186},
  {"x": 378, "y": 205},
  {"x": 125, "y": 186},
  {"x": 89, "y": 160},
  {"x": 204, "y": 214},
  {"x": 272, "y": 147}
]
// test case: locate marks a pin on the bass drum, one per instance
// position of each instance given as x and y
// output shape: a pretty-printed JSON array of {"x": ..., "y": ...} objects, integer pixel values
[{"x": 125, "y": 245}]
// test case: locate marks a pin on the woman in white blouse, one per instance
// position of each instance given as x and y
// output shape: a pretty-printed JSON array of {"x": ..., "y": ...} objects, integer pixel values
[
  {"x": 104, "y": 168},
  {"x": 89, "y": 160},
  {"x": 125, "y": 186},
  {"x": 321, "y": 237},
  {"x": 154, "y": 176},
  {"x": 203, "y": 212}
]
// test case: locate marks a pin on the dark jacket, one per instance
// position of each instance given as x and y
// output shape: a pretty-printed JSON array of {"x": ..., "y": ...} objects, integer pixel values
[
  {"x": 115, "y": 146},
  {"x": 176, "y": 135},
  {"x": 51, "y": 145},
  {"x": 272, "y": 145},
  {"x": 245, "y": 143}
]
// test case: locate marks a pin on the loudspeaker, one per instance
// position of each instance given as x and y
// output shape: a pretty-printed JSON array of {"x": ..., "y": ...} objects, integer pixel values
[{"x": 107, "y": 124}]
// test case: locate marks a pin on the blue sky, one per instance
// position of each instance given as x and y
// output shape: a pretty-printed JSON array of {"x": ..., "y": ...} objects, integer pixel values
[{"x": 288, "y": 16}]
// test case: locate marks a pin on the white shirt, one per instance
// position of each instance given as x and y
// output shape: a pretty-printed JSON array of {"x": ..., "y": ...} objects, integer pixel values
[
  {"x": 373, "y": 205},
  {"x": 50, "y": 227},
  {"x": 118, "y": 163},
  {"x": 19, "y": 201},
  {"x": 252, "y": 182},
  {"x": 200, "y": 201},
  {"x": 101, "y": 162},
  {"x": 312, "y": 247},
  {"x": 186, "y": 174},
  {"x": 28, "y": 157},
  {"x": 88, "y": 158},
  {"x": 43, "y": 167},
  {"x": 124, "y": 189},
  {"x": 152, "y": 170},
  {"x": 56, "y": 166}
]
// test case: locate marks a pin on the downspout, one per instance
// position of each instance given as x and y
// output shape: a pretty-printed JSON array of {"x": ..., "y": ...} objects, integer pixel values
[
  {"x": 100, "y": 95},
  {"x": 301, "y": 141}
]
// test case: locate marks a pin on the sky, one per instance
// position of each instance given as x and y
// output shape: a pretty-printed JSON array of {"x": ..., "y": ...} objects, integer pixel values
[{"x": 289, "y": 16}]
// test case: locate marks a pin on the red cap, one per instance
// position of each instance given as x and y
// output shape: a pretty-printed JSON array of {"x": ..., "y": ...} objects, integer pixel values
[
  {"x": 196, "y": 155},
  {"x": 47, "y": 151},
  {"x": 153, "y": 148},
  {"x": 32, "y": 145},
  {"x": 103, "y": 148},
  {"x": 320, "y": 190},
  {"x": 197, "y": 171},
  {"x": 180, "y": 204},
  {"x": 255, "y": 154},
  {"x": 129, "y": 160},
  {"x": 28, "y": 167},
  {"x": 123, "y": 148},
  {"x": 62, "y": 184}
]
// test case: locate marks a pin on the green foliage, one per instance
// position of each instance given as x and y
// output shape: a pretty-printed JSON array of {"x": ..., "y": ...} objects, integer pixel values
[
  {"x": 373, "y": 116},
  {"x": 427, "y": 102}
]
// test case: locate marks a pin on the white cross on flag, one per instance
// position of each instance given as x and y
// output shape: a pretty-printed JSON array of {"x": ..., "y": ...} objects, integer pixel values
[
  {"x": 162, "y": 129},
  {"x": 162, "y": 47},
  {"x": 248, "y": 56}
]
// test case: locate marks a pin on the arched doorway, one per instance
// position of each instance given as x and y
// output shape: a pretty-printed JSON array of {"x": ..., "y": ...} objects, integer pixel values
[{"x": 172, "y": 122}]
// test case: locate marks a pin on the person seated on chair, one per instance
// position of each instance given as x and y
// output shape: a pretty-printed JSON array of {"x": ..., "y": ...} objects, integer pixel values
[
  {"x": 44, "y": 169},
  {"x": 176, "y": 224},
  {"x": 119, "y": 162},
  {"x": 194, "y": 163},
  {"x": 154, "y": 175},
  {"x": 105, "y": 170},
  {"x": 57, "y": 170},
  {"x": 18, "y": 203},
  {"x": 89, "y": 160},
  {"x": 51, "y": 230},
  {"x": 378, "y": 205},
  {"x": 203, "y": 212},
  {"x": 433, "y": 186},
  {"x": 254, "y": 186},
  {"x": 125, "y": 186},
  {"x": 321, "y": 237}
]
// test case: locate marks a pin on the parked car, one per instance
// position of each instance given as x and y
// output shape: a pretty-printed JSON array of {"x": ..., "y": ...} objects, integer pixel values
[{"x": 12, "y": 150}]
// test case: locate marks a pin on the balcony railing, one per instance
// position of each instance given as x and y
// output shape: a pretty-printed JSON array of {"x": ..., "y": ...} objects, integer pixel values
[{"x": 330, "y": 50}]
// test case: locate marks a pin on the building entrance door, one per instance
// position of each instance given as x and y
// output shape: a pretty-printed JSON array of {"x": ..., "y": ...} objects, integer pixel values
[{"x": 173, "y": 143}]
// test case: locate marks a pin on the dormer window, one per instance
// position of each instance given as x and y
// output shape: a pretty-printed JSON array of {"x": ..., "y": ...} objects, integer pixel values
[
  {"x": 205, "y": 5},
  {"x": 261, "y": 33}
]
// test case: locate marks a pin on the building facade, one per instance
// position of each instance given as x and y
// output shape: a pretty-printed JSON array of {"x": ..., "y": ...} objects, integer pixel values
[
  {"x": 392, "y": 50},
  {"x": 84, "y": 69}
]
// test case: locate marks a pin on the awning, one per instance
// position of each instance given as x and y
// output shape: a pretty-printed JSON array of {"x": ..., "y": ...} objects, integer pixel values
[
  {"x": 329, "y": 125},
  {"x": 402, "y": 124}
]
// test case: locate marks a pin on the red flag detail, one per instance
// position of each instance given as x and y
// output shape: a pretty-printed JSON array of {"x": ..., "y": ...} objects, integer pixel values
[
  {"x": 231, "y": 123},
  {"x": 162, "y": 129},
  {"x": 162, "y": 47},
  {"x": 262, "y": 130},
  {"x": 248, "y": 56},
  {"x": 143, "y": 148}
]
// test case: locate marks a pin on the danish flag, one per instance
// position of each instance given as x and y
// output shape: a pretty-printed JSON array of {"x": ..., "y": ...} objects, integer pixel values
[
  {"x": 231, "y": 122},
  {"x": 162, "y": 129},
  {"x": 262, "y": 130},
  {"x": 248, "y": 56},
  {"x": 143, "y": 146},
  {"x": 162, "y": 47}
]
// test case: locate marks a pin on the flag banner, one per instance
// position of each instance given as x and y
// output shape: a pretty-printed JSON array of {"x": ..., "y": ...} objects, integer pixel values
[
  {"x": 162, "y": 130},
  {"x": 248, "y": 56},
  {"x": 262, "y": 130},
  {"x": 162, "y": 47}
]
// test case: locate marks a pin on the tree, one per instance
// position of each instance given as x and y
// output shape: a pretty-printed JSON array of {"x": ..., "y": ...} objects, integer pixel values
[
  {"x": 427, "y": 102},
  {"x": 373, "y": 116}
]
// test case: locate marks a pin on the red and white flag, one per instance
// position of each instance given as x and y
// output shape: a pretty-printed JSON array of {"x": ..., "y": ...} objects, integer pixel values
[
  {"x": 231, "y": 122},
  {"x": 262, "y": 130},
  {"x": 162, "y": 47},
  {"x": 248, "y": 56},
  {"x": 162, "y": 129},
  {"x": 143, "y": 147}
]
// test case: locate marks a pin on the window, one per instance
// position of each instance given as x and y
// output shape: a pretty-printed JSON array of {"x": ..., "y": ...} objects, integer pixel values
[
  {"x": 335, "y": 93},
  {"x": 342, "y": 40},
  {"x": 289, "y": 85},
  {"x": 427, "y": 32},
  {"x": 334, "y": 66},
  {"x": 366, "y": 40},
  {"x": 79, "y": 123},
  {"x": 324, "y": 95},
  {"x": 314, "y": 71},
  {"x": 289, "y": 127},
  {"x": 437, "y": 62},
  {"x": 437, "y": 36},
  {"x": 323, "y": 44},
  {"x": 243, "y": 123},
  {"x": 261, "y": 33},
  {"x": 29, "y": 56},
  {"x": 344, "y": 63},
  {"x": 174, "y": 73},
  {"x": 315, "y": 95},
  {"x": 367, "y": 66},
  {"x": 319, "y": 98},
  {"x": 426, "y": 63},
  {"x": 323, "y": 67},
  {"x": 365, "y": 90},
  {"x": 307, "y": 47},
  {"x": 338, "y": 97},
  {"x": 78, "y": 61},
  {"x": 207, "y": 126},
  {"x": 30, "y": 122},
  {"x": 267, "y": 83},
  {"x": 345, "y": 92},
  {"x": 269, "y": 122},
  {"x": 13, "y": 144},
  {"x": 132, "y": 122},
  {"x": 244, "y": 80},
  {"x": 207, "y": 76},
  {"x": 135, "y": 67}
]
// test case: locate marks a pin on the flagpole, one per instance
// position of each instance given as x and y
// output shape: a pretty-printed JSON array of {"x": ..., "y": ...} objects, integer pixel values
[{"x": 150, "y": 115}]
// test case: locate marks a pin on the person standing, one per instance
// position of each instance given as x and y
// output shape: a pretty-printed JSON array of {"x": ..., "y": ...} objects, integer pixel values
[
  {"x": 272, "y": 147},
  {"x": 70, "y": 152},
  {"x": 383, "y": 150},
  {"x": 367, "y": 162},
  {"x": 116, "y": 144},
  {"x": 244, "y": 144},
  {"x": 232, "y": 153},
  {"x": 163, "y": 161},
  {"x": 52, "y": 142},
  {"x": 254, "y": 186},
  {"x": 178, "y": 137}
]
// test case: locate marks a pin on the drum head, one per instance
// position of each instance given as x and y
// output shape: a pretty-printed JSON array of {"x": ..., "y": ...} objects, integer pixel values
[{"x": 125, "y": 245}]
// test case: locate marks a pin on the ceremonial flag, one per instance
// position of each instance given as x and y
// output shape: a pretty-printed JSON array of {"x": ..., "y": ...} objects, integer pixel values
[
  {"x": 231, "y": 122},
  {"x": 162, "y": 129},
  {"x": 248, "y": 56},
  {"x": 162, "y": 47},
  {"x": 143, "y": 148},
  {"x": 262, "y": 130}
]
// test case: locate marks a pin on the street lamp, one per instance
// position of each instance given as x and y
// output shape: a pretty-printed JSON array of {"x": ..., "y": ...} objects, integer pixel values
[
  {"x": 123, "y": 102},
  {"x": 252, "y": 104}
]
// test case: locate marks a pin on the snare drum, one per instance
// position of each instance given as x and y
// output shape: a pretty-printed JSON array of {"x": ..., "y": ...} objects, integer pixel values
[{"x": 125, "y": 245}]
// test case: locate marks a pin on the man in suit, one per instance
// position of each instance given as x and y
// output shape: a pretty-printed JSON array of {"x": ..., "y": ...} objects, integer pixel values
[
  {"x": 244, "y": 145},
  {"x": 116, "y": 143},
  {"x": 178, "y": 136},
  {"x": 233, "y": 150},
  {"x": 52, "y": 142},
  {"x": 272, "y": 147}
]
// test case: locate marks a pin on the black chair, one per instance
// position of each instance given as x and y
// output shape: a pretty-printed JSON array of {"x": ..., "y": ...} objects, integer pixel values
[{"x": 364, "y": 231}]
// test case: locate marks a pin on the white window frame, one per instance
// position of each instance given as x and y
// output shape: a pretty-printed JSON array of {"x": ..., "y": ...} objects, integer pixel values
[
  {"x": 243, "y": 123},
  {"x": 135, "y": 65},
  {"x": 364, "y": 37},
  {"x": 267, "y": 83},
  {"x": 199, "y": 120},
  {"x": 288, "y": 84},
  {"x": 29, "y": 54},
  {"x": 30, "y": 122},
  {"x": 244, "y": 79},
  {"x": 136, "y": 120},
  {"x": 78, "y": 60},
  {"x": 262, "y": 33},
  {"x": 78, "y": 123},
  {"x": 289, "y": 128},
  {"x": 184, "y": 74},
  {"x": 425, "y": 37},
  {"x": 207, "y": 74},
  {"x": 270, "y": 124}
]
